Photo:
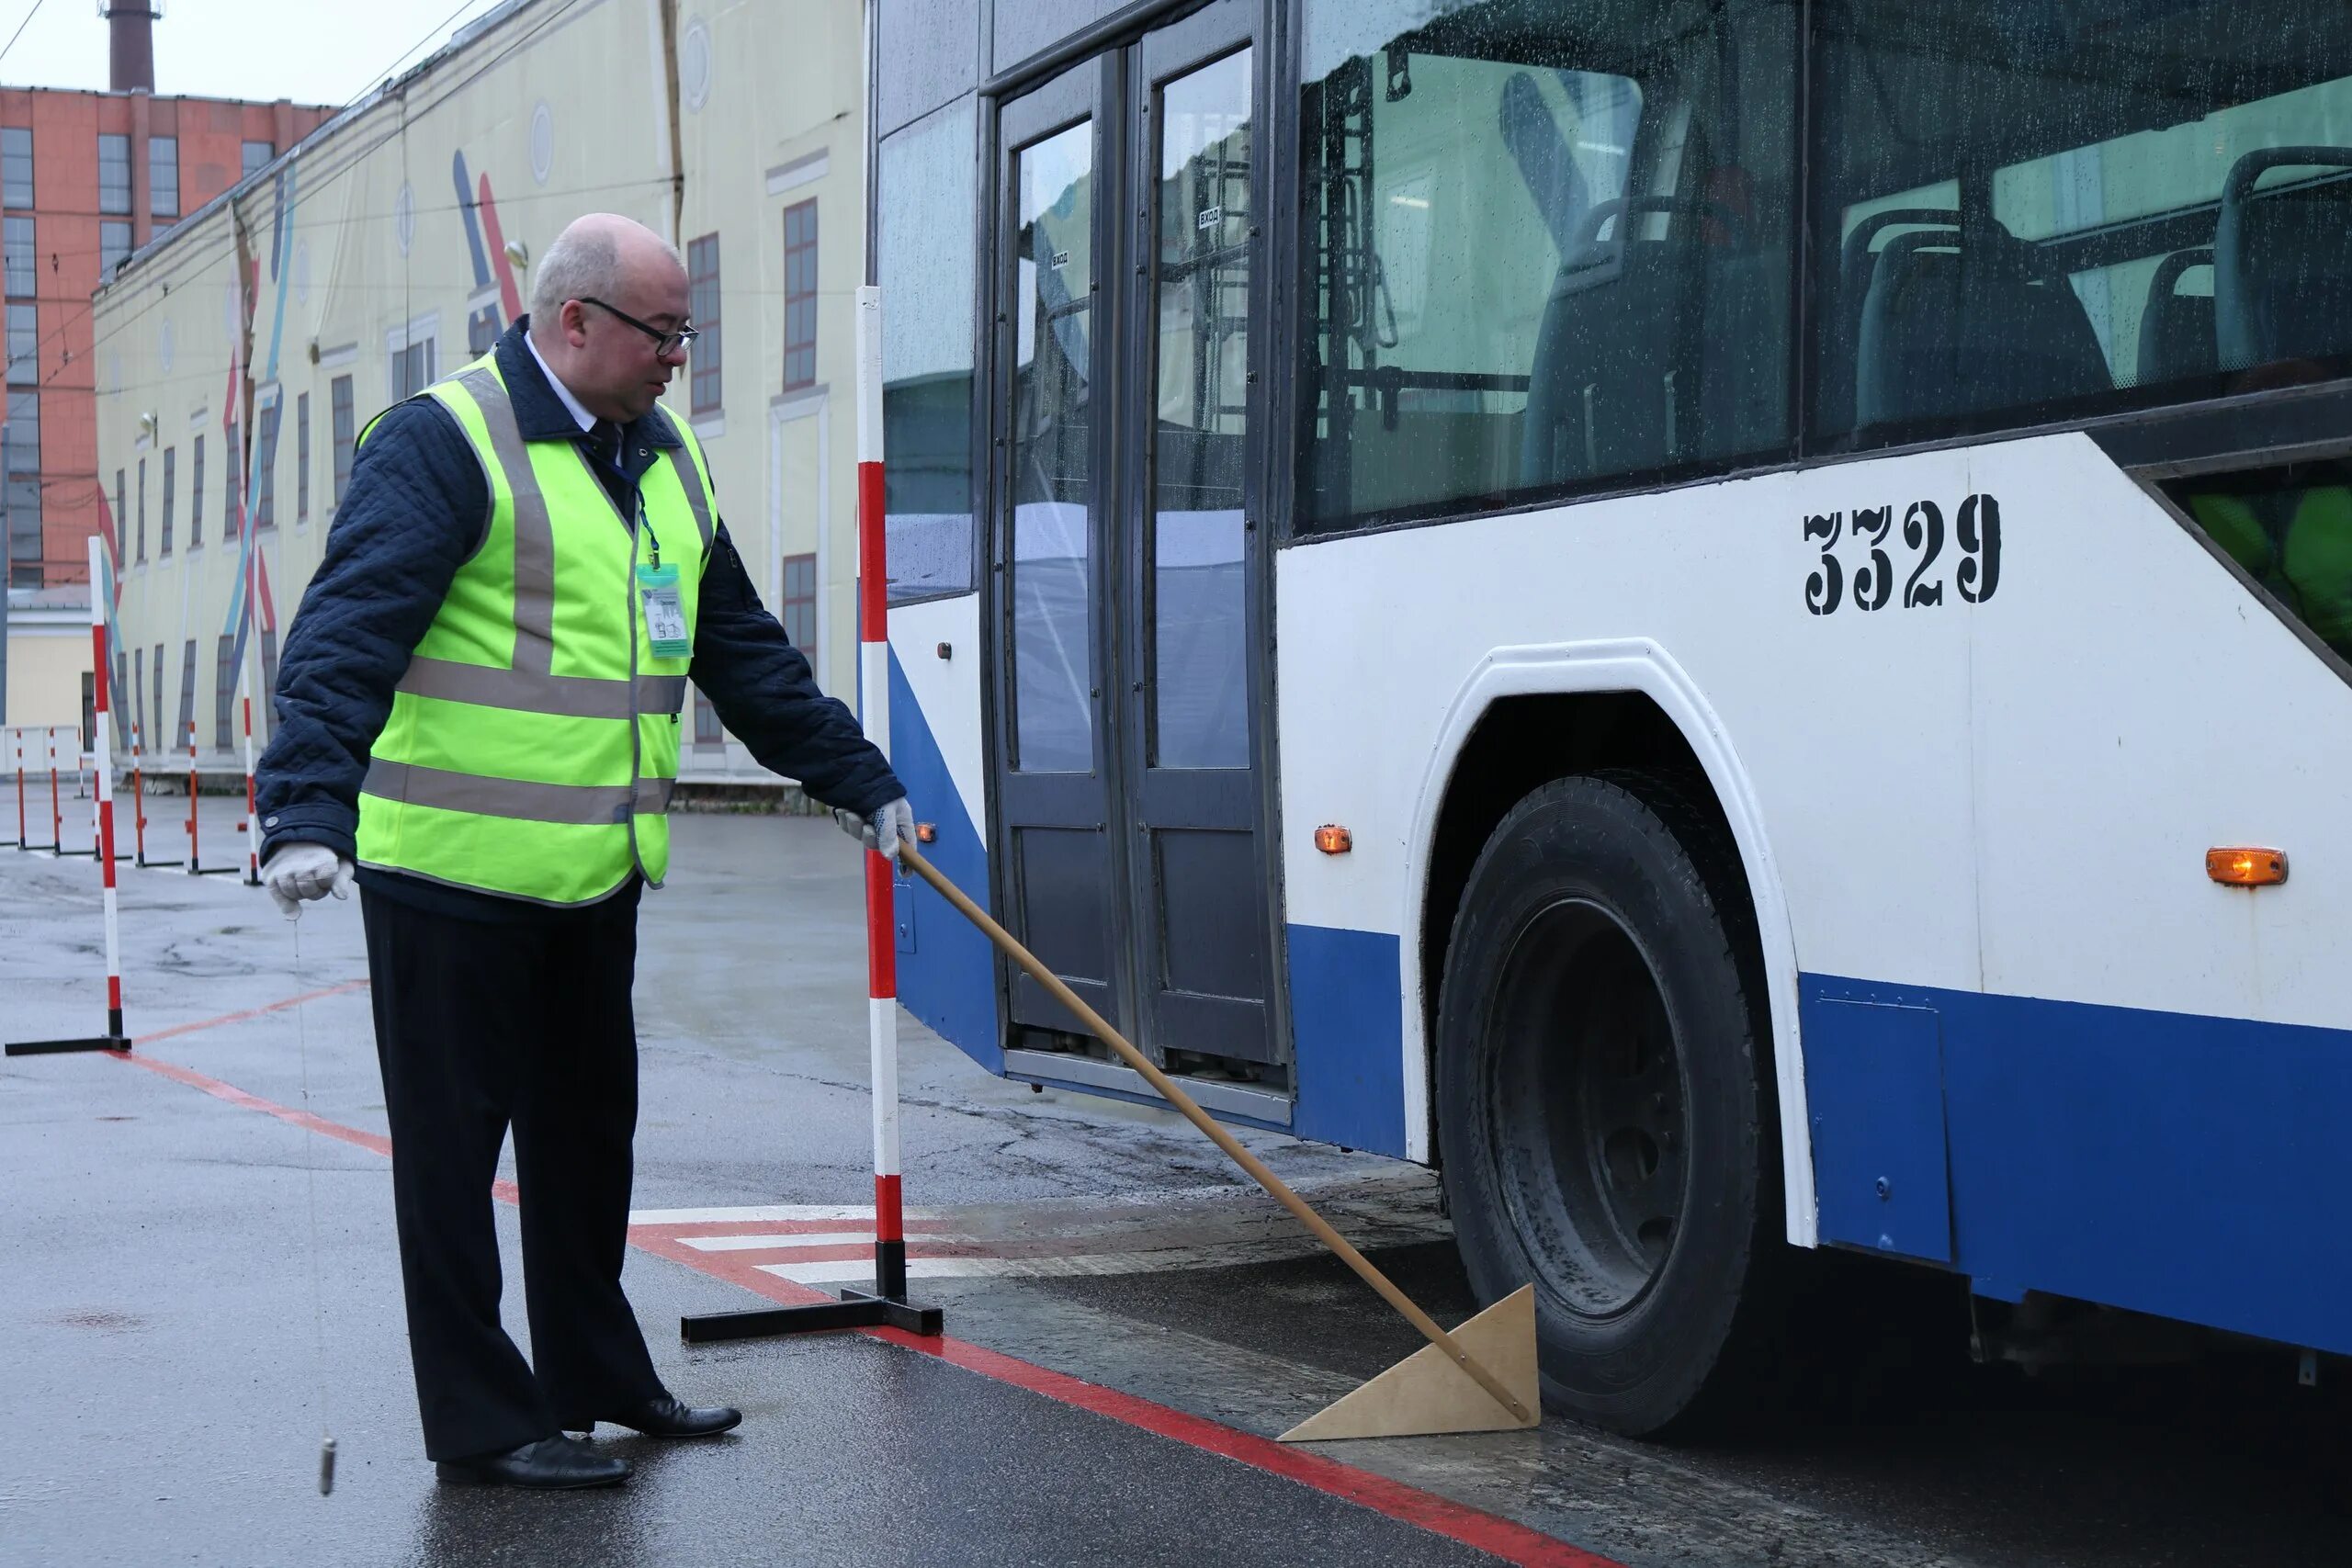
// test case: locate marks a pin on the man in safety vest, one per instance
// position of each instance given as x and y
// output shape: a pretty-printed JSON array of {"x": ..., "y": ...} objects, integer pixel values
[{"x": 479, "y": 710}]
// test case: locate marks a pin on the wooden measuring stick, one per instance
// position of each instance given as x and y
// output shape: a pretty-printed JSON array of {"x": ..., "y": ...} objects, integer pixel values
[{"x": 1183, "y": 1102}]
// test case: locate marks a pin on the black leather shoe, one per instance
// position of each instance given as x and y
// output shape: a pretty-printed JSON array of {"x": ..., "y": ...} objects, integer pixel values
[
  {"x": 665, "y": 1417},
  {"x": 555, "y": 1464}
]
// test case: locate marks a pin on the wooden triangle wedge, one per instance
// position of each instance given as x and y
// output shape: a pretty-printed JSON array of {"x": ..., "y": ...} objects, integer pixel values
[
  {"x": 1425, "y": 1394},
  {"x": 1514, "y": 1329}
]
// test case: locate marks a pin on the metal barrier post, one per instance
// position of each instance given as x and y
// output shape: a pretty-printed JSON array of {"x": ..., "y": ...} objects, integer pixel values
[{"x": 113, "y": 1039}]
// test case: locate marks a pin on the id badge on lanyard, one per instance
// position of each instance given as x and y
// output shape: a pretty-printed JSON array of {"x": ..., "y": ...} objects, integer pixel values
[{"x": 657, "y": 589}]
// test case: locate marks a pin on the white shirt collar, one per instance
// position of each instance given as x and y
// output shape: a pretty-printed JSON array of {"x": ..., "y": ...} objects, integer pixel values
[{"x": 585, "y": 420}]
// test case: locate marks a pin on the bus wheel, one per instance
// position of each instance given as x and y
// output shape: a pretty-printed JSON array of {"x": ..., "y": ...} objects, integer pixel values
[{"x": 1604, "y": 1106}]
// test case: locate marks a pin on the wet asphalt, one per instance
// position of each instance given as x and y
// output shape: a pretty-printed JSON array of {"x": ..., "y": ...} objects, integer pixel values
[{"x": 193, "y": 1292}]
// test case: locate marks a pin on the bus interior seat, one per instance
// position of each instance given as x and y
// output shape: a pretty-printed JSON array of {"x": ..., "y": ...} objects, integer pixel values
[
  {"x": 2175, "y": 329},
  {"x": 1546, "y": 167},
  {"x": 1936, "y": 295},
  {"x": 1842, "y": 329},
  {"x": 1637, "y": 364},
  {"x": 2282, "y": 261}
]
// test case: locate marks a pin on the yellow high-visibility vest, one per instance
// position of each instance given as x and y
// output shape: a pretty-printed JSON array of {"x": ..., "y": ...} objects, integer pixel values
[{"x": 533, "y": 743}]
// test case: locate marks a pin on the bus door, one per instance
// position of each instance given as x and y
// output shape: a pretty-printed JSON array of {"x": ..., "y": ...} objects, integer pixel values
[{"x": 1130, "y": 565}]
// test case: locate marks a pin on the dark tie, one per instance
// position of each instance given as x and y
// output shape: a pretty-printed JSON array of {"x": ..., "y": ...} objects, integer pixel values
[{"x": 604, "y": 442}]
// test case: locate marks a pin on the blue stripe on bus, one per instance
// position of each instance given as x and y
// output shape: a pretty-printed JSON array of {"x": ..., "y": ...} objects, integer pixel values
[
  {"x": 1348, "y": 1031},
  {"x": 2189, "y": 1167},
  {"x": 946, "y": 970}
]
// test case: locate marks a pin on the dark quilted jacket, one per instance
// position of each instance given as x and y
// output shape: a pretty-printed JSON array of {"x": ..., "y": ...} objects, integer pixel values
[{"x": 415, "y": 506}]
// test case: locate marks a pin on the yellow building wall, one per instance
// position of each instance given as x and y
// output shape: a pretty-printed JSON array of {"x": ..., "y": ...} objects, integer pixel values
[
  {"x": 563, "y": 110},
  {"x": 45, "y": 670}
]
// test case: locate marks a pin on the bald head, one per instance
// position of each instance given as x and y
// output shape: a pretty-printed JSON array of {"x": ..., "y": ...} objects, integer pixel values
[{"x": 601, "y": 268}]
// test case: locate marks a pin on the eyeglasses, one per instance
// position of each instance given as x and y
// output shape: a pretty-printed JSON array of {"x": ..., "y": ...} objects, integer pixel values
[{"x": 664, "y": 343}]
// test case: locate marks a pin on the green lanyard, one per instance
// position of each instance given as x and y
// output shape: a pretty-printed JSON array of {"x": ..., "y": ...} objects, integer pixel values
[{"x": 657, "y": 590}]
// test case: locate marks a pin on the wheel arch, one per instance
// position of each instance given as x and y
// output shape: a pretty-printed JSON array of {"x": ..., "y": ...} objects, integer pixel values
[{"x": 1525, "y": 715}]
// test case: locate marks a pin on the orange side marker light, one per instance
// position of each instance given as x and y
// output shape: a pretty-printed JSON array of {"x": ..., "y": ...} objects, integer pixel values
[
  {"x": 926, "y": 832},
  {"x": 2244, "y": 867},
  {"x": 1334, "y": 841}
]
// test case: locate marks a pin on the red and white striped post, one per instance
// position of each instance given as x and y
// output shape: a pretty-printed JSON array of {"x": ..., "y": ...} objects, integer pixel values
[
  {"x": 873, "y": 709},
  {"x": 137, "y": 802},
  {"x": 191, "y": 797},
  {"x": 17, "y": 749},
  {"x": 887, "y": 1304},
  {"x": 56, "y": 805},
  {"x": 114, "y": 1039},
  {"x": 253, "y": 828}
]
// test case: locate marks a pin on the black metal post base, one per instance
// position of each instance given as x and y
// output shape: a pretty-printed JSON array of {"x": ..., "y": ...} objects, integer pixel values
[
  {"x": 58, "y": 1047},
  {"x": 856, "y": 1309}
]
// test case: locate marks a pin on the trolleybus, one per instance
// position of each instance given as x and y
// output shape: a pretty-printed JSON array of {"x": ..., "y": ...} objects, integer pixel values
[{"x": 1727, "y": 619}]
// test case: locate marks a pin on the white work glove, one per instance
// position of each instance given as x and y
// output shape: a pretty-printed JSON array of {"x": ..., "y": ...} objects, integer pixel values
[
  {"x": 895, "y": 822},
  {"x": 300, "y": 872}
]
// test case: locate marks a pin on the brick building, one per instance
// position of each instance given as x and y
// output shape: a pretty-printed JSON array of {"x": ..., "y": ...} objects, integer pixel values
[{"x": 85, "y": 179}]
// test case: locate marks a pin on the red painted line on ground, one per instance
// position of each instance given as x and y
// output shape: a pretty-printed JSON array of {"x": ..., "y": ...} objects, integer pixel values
[
  {"x": 373, "y": 1143},
  {"x": 250, "y": 1013},
  {"x": 1484, "y": 1532}
]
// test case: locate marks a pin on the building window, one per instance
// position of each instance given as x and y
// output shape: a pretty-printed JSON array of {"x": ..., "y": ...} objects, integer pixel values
[
  {"x": 196, "y": 494},
  {"x": 266, "y": 469},
  {"x": 17, "y": 244},
  {"x": 121, "y": 518},
  {"x": 232, "y": 487},
  {"x": 224, "y": 693},
  {"x": 186, "y": 733},
  {"x": 339, "y": 413},
  {"x": 138, "y": 695},
  {"x": 411, "y": 370},
  {"x": 20, "y": 456},
  {"x": 800, "y": 295},
  {"x": 798, "y": 612},
  {"x": 303, "y": 458},
  {"x": 155, "y": 731},
  {"x": 707, "y": 730},
  {"x": 481, "y": 332},
  {"x": 702, "y": 308},
  {"x": 141, "y": 556},
  {"x": 24, "y": 345},
  {"x": 163, "y": 176},
  {"x": 164, "y": 546},
  {"x": 114, "y": 246},
  {"x": 253, "y": 157},
  {"x": 114, "y": 173},
  {"x": 16, "y": 167}
]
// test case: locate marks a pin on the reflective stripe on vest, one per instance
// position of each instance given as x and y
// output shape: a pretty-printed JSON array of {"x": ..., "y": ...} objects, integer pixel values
[{"x": 532, "y": 748}]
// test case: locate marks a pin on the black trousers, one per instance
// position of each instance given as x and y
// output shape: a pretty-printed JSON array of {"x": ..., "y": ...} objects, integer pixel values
[{"x": 481, "y": 1026}]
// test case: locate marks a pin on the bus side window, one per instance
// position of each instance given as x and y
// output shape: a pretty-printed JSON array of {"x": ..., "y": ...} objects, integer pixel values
[{"x": 1545, "y": 245}]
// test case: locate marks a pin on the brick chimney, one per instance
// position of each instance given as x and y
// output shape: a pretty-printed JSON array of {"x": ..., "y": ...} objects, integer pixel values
[{"x": 130, "y": 54}]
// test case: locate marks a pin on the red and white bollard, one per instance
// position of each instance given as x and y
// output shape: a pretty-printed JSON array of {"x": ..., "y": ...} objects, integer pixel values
[
  {"x": 887, "y": 1304},
  {"x": 195, "y": 866},
  {"x": 253, "y": 828},
  {"x": 56, "y": 805},
  {"x": 17, "y": 753},
  {"x": 114, "y": 1039},
  {"x": 874, "y": 710}
]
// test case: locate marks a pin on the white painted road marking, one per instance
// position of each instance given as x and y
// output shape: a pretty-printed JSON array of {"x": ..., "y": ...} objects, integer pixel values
[{"x": 1158, "y": 1233}]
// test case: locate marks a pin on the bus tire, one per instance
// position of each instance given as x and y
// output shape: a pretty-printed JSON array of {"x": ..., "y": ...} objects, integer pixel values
[{"x": 1605, "y": 1109}]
